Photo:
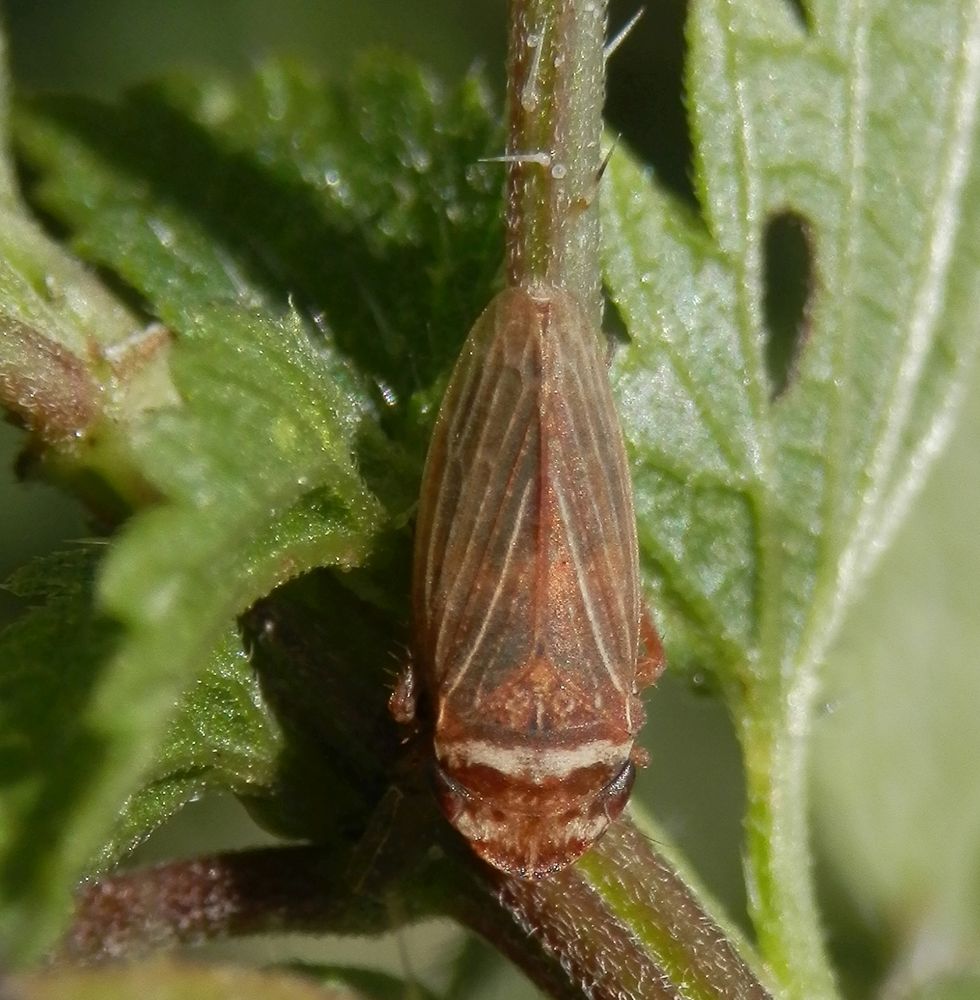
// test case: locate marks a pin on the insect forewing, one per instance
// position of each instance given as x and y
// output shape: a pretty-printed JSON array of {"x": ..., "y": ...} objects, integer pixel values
[
  {"x": 526, "y": 599},
  {"x": 526, "y": 594}
]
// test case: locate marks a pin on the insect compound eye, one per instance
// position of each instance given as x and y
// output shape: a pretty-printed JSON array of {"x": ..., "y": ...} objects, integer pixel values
[{"x": 616, "y": 794}]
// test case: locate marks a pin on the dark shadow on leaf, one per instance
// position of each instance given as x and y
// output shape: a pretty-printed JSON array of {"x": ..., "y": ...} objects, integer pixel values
[
  {"x": 326, "y": 660},
  {"x": 364, "y": 206},
  {"x": 864, "y": 947},
  {"x": 28, "y": 178}
]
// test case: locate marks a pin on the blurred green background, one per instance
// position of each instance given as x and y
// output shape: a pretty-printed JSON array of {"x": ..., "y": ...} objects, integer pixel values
[{"x": 897, "y": 779}]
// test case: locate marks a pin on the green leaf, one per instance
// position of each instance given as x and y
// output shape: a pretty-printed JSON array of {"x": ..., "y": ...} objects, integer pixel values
[
  {"x": 365, "y": 205},
  {"x": 236, "y": 526},
  {"x": 952, "y": 987},
  {"x": 266, "y": 226},
  {"x": 165, "y": 979},
  {"x": 761, "y": 514},
  {"x": 51, "y": 660},
  {"x": 319, "y": 253},
  {"x": 223, "y": 736},
  {"x": 54, "y": 762},
  {"x": 61, "y": 332},
  {"x": 903, "y": 687}
]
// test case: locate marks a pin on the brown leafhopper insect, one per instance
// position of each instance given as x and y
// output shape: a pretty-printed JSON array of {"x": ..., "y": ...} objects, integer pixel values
[{"x": 526, "y": 595}]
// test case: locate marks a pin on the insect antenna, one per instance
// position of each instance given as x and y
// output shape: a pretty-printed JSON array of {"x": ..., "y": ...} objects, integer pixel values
[{"x": 368, "y": 856}]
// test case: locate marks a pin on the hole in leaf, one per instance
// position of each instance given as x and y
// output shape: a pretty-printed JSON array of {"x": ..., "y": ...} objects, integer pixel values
[{"x": 788, "y": 279}]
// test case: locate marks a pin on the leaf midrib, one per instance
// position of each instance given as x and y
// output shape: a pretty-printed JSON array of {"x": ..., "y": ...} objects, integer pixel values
[
  {"x": 746, "y": 266},
  {"x": 842, "y": 572}
]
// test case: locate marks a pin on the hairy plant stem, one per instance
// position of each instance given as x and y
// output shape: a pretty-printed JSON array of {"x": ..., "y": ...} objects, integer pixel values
[
  {"x": 639, "y": 930},
  {"x": 209, "y": 898},
  {"x": 620, "y": 925},
  {"x": 555, "y": 91},
  {"x": 779, "y": 869}
]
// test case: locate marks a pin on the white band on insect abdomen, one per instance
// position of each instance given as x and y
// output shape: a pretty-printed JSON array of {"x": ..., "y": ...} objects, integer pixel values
[{"x": 532, "y": 762}]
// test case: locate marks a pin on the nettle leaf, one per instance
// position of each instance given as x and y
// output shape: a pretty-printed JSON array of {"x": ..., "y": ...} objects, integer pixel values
[
  {"x": 904, "y": 688},
  {"x": 318, "y": 254},
  {"x": 761, "y": 515},
  {"x": 51, "y": 659},
  {"x": 296, "y": 240},
  {"x": 59, "y": 326},
  {"x": 237, "y": 523},
  {"x": 765, "y": 490},
  {"x": 364, "y": 205},
  {"x": 223, "y": 736}
]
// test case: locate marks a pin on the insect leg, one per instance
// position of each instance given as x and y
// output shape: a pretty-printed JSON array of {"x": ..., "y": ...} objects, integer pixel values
[
  {"x": 404, "y": 697},
  {"x": 651, "y": 666}
]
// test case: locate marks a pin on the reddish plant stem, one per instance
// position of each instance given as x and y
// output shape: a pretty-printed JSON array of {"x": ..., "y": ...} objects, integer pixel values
[
  {"x": 621, "y": 925},
  {"x": 224, "y": 895},
  {"x": 50, "y": 390}
]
